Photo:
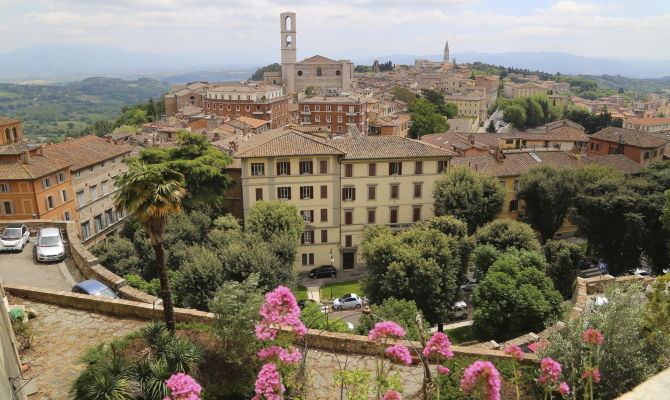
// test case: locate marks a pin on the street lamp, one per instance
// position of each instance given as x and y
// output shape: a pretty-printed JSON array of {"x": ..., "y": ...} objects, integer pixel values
[{"x": 332, "y": 261}]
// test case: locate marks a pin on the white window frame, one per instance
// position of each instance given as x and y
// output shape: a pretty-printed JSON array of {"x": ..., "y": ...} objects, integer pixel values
[
  {"x": 257, "y": 169},
  {"x": 284, "y": 193},
  {"x": 46, "y": 183},
  {"x": 306, "y": 192},
  {"x": 5, "y": 188}
]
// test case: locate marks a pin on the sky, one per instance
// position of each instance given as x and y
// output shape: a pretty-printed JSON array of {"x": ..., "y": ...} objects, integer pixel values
[{"x": 248, "y": 30}]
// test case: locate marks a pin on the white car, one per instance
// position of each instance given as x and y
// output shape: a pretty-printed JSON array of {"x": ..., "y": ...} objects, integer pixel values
[
  {"x": 49, "y": 246},
  {"x": 15, "y": 237},
  {"x": 348, "y": 302}
]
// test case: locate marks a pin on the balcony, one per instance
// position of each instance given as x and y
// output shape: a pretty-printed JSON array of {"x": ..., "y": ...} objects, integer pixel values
[
  {"x": 306, "y": 112},
  {"x": 352, "y": 114},
  {"x": 258, "y": 112}
]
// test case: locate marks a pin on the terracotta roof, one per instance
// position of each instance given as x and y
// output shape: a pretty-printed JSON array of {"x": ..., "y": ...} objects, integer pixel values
[
  {"x": 630, "y": 137},
  {"x": 318, "y": 59},
  {"x": 8, "y": 120},
  {"x": 252, "y": 122},
  {"x": 649, "y": 121},
  {"x": 332, "y": 99},
  {"x": 87, "y": 150},
  {"x": 380, "y": 147},
  {"x": 448, "y": 139},
  {"x": 618, "y": 161},
  {"x": 119, "y": 135},
  {"x": 17, "y": 148},
  {"x": 243, "y": 88},
  {"x": 39, "y": 166},
  {"x": 284, "y": 142}
]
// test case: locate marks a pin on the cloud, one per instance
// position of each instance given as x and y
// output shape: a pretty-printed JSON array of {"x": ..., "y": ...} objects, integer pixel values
[{"x": 571, "y": 7}]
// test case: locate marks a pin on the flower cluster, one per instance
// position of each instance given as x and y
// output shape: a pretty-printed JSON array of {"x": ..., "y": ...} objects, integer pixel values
[
  {"x": 592, "y": 372},
  {"x": 287, "y": 357},
  {"x": 391, "y": 395},
  {"x": 482, "y": 371},
  {"x": 399, "y": 353},
  {"x": 280, "y": 308},
  {"x": 550, "y": 371},
  {"x": 564, "y": 389},
  {"x": 268, "y": 384},
  {"x": 443, "y": 370},
  {"x": 183, "y": 387},
  {"x": 386, "y": 329},
  {"x": 438, "y": 344},
  {"x": 514, "y": 351},
  {"x": 592, "y": 336}
]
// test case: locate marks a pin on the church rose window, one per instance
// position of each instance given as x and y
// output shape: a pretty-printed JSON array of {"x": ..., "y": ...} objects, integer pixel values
[{"x": 338, "y": 72}]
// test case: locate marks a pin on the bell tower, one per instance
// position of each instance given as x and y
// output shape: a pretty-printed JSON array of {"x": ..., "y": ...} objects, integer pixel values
[
  {"x": 287, "y": 25},
  {"x": 446, "y": 52}
]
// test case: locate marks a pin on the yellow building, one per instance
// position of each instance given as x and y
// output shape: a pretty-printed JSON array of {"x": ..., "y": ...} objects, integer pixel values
[
  {"x": 341, "y": 185},
  {"x": 528, "y": 89},
  {"x": 469, "y": 106}
]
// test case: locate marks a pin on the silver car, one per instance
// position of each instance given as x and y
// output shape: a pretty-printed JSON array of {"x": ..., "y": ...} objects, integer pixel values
[
  {"x": 49, "y": 246},
  {"x": 348, "y": 302},
  {"x": 15, "y": 237}
]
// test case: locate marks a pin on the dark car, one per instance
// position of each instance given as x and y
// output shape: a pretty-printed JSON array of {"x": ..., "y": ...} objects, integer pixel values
[
  {"x": 95, "y": 288},
  {"x": 324, "y": 271},
  {"x": 303, "y": 303}
]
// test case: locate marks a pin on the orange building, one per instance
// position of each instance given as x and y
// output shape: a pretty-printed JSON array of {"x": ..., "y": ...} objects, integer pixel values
[
  {"x": 643, "y": 148},
  {"x": 32, "y": 185}
]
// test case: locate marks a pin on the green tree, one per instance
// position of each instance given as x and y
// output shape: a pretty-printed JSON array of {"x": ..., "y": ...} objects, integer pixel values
[
  {"x": 118, "y": 255},
  {"x": 450, "y": 110},
  {"x": 419, "y": 264},
  {"x": 486, "y": 255},
  {"x": 203, "y": 167},
  {"x": 269, "y": 219},
  {"x": 473, "y": 198},
  {"x": 402, "y": 312},
  {"x": 314, "y": 318},
  {"x": 564, "y": 260},
  {"x": 505, "y": 233},
  {"x": 258, "y": 74},
  {"x": 665, "y": 219},
  {"x": 426, "y": 119},
  {"x": 513, "y": 299},
  {"x": 405, "y": 95},
  {"x": 548, "y": 193},
  {"x": 152, "y": 192},
  {"x": 200, "y": 277},
  {"x": 515, "y": 115}
]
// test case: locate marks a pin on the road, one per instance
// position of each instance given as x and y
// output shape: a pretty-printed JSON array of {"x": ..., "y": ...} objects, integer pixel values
[{"x": 23, "y": 269}]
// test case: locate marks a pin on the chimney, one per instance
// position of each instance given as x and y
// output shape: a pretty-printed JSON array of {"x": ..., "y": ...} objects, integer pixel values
[
  {"x": 25, "y": 157},
  {"x": 41, "y": 150},
  {"x": 109, "y": 139}
]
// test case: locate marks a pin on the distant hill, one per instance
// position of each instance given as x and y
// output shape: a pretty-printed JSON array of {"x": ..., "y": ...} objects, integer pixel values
[
  {"x": 551, "y": 62},
  {"x": 209, "y": 76}
]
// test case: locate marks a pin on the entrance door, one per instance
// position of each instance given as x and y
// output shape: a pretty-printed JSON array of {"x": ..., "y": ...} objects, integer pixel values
[{"x": 348, "y": 258}]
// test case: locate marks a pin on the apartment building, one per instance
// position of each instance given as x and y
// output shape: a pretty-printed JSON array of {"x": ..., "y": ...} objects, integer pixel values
[
  {"x": 339, "y": 114},
  {"x": 341, "y": 185},
  {"x": 95, "y": 163},
  {"x": 643, "y": 148},
  {"x": 471, "y": 105},
  {"x": 651, "y": 125},
  {"x": 264, "y": 102}
]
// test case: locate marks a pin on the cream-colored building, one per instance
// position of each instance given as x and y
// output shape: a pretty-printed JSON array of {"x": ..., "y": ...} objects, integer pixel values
[
  {"x": 470, "y": 105},
  {"x": 528, "y": 89},
  {"x": 96, "y": 162},
  {"x": 341, "y": 185}
]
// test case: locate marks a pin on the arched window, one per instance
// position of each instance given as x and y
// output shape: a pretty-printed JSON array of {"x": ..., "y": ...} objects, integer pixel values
[
  {"x": 192, "y": 98},
  {"x": 288, "y": 23},
  {"x": 8, "y": 135},
  {"x": 338, "y": 72},
  {"x": 318, "y": 71},
  {"x": 289, "y": 41},
  {"x": 299, "y": 73}
]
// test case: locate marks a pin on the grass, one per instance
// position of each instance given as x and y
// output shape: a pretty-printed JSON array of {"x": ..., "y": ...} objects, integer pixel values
[
  {"x": 461, "y": 335},
  {"x": 300, "y": 293},
  {"x": 340, "y": 289}
]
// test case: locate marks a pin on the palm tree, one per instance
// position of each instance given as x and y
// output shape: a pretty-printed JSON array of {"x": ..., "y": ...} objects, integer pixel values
[{"x": 152, "y": 192}]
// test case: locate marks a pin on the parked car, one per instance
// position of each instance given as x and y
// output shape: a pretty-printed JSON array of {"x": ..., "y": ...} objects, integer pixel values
[
  {"x": 324, "y": 271},
  {"x": 348, "y": 302},
  {"x": 15, "y": 237},
  {"x": 469, "y": 285},
  {"x": 49, "y": 246},
  {"x": 640, "y": 271},
  {"x": 460, "y": 309},
  {"x": 303, "y": 303},
  {"x": 95, "y": 288}
]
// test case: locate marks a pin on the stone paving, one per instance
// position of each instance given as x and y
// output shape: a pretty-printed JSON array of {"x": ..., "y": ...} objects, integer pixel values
[{"x": 61, "y": 337}]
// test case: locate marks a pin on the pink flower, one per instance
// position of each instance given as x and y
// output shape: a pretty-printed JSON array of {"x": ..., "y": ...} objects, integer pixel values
[
  {"x": 386, "y": 329},
  {"x": 399, "y": 353},
  {"x": 287, "y": 357},
  {"x": 482, "y": 371},
  {"x": 563, "y": 388},
  {"x": 514, "y": 351},
  {"x": 550, "y": 370},
  {"x": 280, "y": 308},
  {"x": 183, "y": 387},
  {"x": 438, "y": 344},
  {"x": 592, "y": 372},
  {"x": 391, "y": 395},
  {"x": 268, "y": 385},
  {"x": 443, "y": 370},
  {"x": 592, "y": 336}
]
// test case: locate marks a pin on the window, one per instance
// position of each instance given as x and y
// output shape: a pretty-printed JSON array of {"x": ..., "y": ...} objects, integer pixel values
[
  {"x": 348, "y": 170},
  {"x": 324, "y": 215},
  {"x": 339, "y": 108},
  {"x": 395, "y": 168},
  {"x": 307, "y": 237},
  {"x": 324, "y": 236},
  {"x": 595, "y": 146},
  {"x": 418, "y": 167},
  {"x": 417, "y": 190},
  {"x": 94, "y": 192},
  {"x": 324, "y": 191},
  {"x": 110, "y": 216},
  {"x": 97, "y": 221},
  {"x": 317, "y": 118},
  {"x": 105, "y": 188},
  {"x": 259, "y": 194},
  {"x": 247, "y": 108},
  {"x": 328, "y": 119},
  {"x": 416, "y": 214},
  {"x": 5, "y": 188},
  {"x": 323, "y": 166},
  {"x": 85, "y": 230},
  {"x": 46, "y": 183},
  {"x": 339, "y": 129},
  {"x": 502, "y": 183},
  {"x": 514, "y": 205},
  {"x": 646, "y": 155},
  {"x": 306, "y": 192},
  {"x": 63, "y": 195},
  {"x": 394, "y": 216},
  {"x": 60, "y": 177},
  {"x": 237, "y": 108},
  {"x": 614, "y": 150},
  {"x": 307, "y": 258},
  {"x": 349, "y": 193},
  {"x": 90, "y": 170},
  {"x": 328, "y": 108},
  {"x": 339, "y": 119},
  {"x": 655, "y": 153},
  {"x": 395, "y": 189},
  {"x": 51, "y": 203},
  {"x": 307, "y": 215},
  {"x": 509, "y": 141},
  {"x": 67, "y": 216},
  {"x": 372, "y": 169},
  {"x": 284, "y": 193},
  {"x": 516, "y": 185},
  {"x": 7, "y": 207},
  {"x": 348, "y": 241},
  {"x": 305, "y": 167},
  {"x": 442, "y": 166},
  {"x": 372, "y": 192},
  {"x": 80, "y": 198},
  {"x": 348, "y": 217},
  {"x": 319, "y": 72},
  {"x": 283, "y": 168},
  {"x": 371, "y": 215},
  {"x": 257, "y": 169}
]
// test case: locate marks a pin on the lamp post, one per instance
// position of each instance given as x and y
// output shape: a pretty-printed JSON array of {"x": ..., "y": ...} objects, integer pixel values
[{"x": 332, "y": 261}]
